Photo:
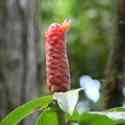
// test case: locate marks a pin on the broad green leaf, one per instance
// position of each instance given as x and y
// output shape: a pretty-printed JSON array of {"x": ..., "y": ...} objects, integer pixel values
[
  {"x": 95, "y": 119},
  {"x": 74, "y": 117},
  {"x": 121, "y": 111},
  {"x": 23, "y": 111},
  {"x": 117, "y": 109},
  {"x": 67, "y": 100},
  {"x": 91, "y": 119},
  {"x": 114, "y": 117},
  {"x": 47, "y": 117}
]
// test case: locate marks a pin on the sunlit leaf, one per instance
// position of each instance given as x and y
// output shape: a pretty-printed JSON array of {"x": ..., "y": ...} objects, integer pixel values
[
  {"x": 95, "y": 118},
  {"x": 91, "y": 119},
  {"x": 23, "y": 111},
  {"x": 47, "y": 117},
  {"x": 117, "y": 109}
]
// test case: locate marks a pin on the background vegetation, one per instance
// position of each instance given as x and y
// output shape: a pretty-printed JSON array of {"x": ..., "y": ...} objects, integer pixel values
[{"x": 90, "y": 38}]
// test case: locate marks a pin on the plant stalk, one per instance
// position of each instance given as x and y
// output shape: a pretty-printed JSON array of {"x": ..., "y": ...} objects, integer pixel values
[
  {"x": 60, "y": 114},
  {"x": 61, "y": 117}
]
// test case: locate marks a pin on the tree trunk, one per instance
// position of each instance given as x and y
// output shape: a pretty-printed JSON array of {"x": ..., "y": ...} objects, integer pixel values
[
  {"x": 116, "y": 70},
  {"x": 18, "y": 82}
]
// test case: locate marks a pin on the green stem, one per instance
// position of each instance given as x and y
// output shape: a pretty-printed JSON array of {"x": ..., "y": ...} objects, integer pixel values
[
  {"x": 60, "y": 114},
  {"x": 61, "y": 117}
]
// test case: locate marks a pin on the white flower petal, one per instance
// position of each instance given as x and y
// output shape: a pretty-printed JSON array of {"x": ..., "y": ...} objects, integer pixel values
[
  {"x": 123, "y": 91},
  {"x": 91, "y": 87},
  {"x": 93, "y": 95},
  {"x": 82, "y": 106},
  {"x": 84, "y": 80},
  {"x": 97, "y": 84},
  {"x": 67, "y": 100}
]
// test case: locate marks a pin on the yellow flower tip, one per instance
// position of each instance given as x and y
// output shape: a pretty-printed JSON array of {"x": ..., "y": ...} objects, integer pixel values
[
  {"x": 46, "y": 34},
  {"x": 66, "y": 25}
]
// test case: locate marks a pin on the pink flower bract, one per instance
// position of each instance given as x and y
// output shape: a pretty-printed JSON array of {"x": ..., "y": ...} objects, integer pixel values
[{"x": 57, "y": 65}]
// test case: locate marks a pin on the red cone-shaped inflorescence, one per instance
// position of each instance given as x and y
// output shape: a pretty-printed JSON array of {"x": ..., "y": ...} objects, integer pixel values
[{"x": 57, "y": 65}]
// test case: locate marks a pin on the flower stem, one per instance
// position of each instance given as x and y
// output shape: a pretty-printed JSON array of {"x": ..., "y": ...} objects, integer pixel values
[
  {"x": 61, "y": 117},
  {"x": 60, "y": 114}
]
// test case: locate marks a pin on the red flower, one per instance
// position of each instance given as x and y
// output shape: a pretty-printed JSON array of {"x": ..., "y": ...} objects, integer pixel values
[{"x": 57, "y": 65}]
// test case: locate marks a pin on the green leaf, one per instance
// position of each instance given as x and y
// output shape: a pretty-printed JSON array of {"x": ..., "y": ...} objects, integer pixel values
[
  {"x": 90, "y": 119},
  {"x": 117, "y": 109},
  {"x": 113, "y": 117},
  {"x": 23, "y": 111},
  {"x": 74, "y": 117},
  {"x": 47, "y": 117},
  {"x": 121, "y": 111},
  {"x": 67, "y": 100}
]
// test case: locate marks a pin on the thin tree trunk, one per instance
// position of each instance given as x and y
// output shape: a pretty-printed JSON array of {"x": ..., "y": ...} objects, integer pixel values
[
  {"x": 116, "y": 69},
  {"x": 18, "y": 82}
]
